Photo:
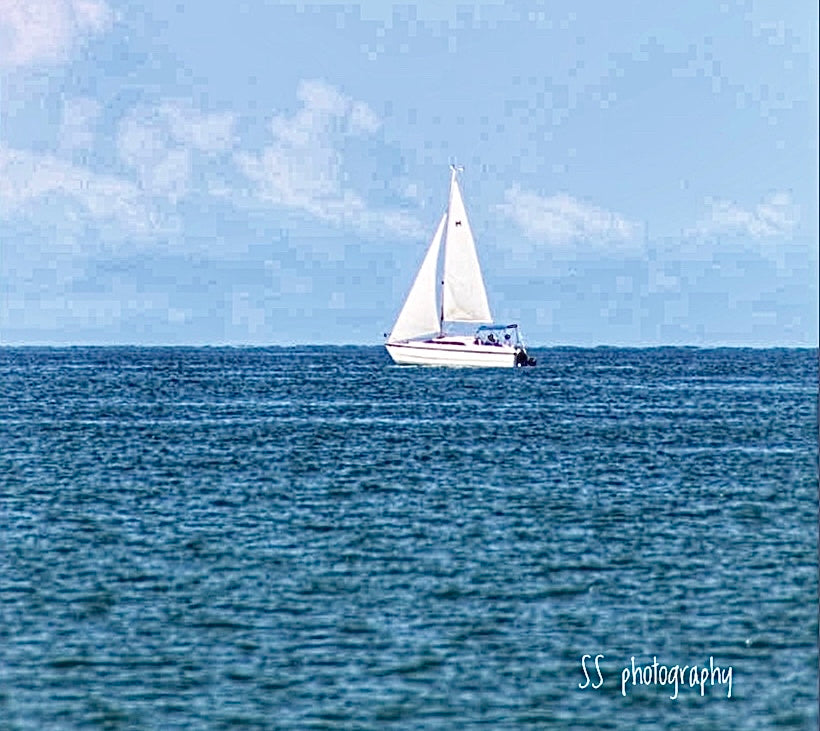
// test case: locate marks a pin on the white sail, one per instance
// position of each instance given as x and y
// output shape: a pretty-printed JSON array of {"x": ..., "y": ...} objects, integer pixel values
[
  {"x": 464, "y": 296},
  {"x": 420, "y": 315}
]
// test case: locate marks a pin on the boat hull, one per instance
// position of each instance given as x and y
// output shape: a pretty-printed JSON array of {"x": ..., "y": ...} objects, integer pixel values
[{"x": 453, "y": 351}]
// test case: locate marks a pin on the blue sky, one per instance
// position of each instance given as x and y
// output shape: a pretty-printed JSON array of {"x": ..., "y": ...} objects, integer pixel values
[{"x": 636, "y": 173}]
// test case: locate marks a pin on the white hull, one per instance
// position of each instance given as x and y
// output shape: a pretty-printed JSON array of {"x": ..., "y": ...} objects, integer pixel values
[{"x": 452, "y": 351}]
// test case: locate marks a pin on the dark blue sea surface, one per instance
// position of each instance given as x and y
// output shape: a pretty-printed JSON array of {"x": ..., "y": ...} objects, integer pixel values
[{"x": 315, "y": 538}]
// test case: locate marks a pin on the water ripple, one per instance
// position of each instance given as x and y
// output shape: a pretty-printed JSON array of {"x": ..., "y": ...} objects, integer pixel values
[{"x": 312, "y": 538}]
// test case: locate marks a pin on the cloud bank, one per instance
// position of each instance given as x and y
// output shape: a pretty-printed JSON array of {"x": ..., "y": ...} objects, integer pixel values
[
  {"x": 44, "y": 31},
  {"x": 775, "y": 216},
  {"x": 171, "y": 150},
  {"x": 26, "y": 178},
  {"x": 303, "y": 168},
  {"x": 560, "y": 219},
  {"x": 159, "y": 144}
]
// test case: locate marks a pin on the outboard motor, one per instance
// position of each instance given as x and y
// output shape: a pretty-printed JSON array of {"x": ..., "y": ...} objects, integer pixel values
[{"x": 522, "y": 359}]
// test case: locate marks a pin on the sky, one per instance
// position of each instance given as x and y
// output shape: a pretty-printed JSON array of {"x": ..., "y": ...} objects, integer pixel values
[{"x": 271, "y": 173}]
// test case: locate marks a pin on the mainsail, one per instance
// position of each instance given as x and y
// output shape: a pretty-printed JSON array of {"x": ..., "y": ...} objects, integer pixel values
[
  {"x": 464, "y": 296},
  {"x": 420, "y": 315}
]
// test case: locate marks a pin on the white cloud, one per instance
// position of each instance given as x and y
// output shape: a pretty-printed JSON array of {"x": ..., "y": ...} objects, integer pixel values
[
  {"x": 561, "y": 219},
  {"x": 303, "y": 168},
  {"x": 26, "y": 178},
  {"x": 159, "y": 143},
  {"x": 44, "y": 31},
  {"x": 207, "y": 132},
  {"x": 775, "y": 216},
  {"x": 61, "y": 196},
  {"x": 363, "y": 118},
  {"x": 161, "y": 170}
]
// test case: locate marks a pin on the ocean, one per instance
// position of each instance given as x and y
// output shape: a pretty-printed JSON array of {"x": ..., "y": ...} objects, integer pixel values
[{"x": 311, "y": 537}]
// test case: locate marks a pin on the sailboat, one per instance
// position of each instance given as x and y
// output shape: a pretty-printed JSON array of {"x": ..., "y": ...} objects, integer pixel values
[{"x": 430, "y": 329}]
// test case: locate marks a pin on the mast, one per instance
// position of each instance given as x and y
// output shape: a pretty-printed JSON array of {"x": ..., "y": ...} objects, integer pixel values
[{"x": 454, "y": 170}]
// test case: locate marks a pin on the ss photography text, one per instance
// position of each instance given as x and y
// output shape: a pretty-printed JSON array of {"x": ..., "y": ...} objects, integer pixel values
[{"x": 679, "y": 676}]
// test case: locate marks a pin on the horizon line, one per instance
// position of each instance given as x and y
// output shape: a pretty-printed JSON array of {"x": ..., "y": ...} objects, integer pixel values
[{"x": 244, "y": 345}]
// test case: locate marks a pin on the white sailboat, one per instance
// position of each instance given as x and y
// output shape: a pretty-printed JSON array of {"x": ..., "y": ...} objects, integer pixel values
[{"x": 438, "y": 307}]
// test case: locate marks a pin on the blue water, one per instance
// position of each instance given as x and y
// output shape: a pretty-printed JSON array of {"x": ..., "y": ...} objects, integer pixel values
[{"x": 314, "y": 538}]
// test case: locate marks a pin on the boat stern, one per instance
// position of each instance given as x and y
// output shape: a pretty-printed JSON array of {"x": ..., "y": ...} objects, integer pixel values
[{"x": 507, "y": 335}]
